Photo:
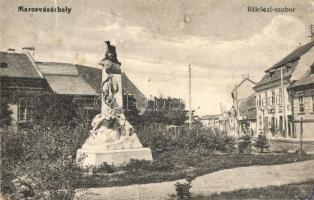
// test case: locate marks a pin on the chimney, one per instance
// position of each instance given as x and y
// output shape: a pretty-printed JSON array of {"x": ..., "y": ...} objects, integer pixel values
[
  {"x": 10, "y": 50},
  {"x": 30, "y": 50}
]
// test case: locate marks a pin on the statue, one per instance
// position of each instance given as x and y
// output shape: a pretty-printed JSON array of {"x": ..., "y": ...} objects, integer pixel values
[{"x": 111, "y": 132}]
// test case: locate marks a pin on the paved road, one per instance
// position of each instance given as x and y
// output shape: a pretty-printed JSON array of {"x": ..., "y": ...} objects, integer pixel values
[{"x": 224, "y": 180}]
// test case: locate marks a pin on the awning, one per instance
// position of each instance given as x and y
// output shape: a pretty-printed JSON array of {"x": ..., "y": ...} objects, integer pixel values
[{"x": 70, "y": 85}]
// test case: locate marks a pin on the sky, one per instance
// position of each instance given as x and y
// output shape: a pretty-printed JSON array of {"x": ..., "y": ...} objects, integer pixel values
[{"x": 156, "y": 40}]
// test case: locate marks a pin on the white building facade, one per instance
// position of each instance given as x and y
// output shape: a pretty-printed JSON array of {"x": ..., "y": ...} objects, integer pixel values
[{"x": 273, "y": 103}]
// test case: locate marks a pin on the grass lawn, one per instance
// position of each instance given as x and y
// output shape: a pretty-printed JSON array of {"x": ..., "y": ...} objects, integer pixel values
[
  {"x": 170, "y": 166},
  {"x": 298, "y": 191}
]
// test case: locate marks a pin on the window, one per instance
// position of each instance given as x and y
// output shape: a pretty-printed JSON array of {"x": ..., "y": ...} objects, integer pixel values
[
  {"x": 273, "y": 95},
  {"x": 4, "y": 65},
  {"x": 26, "y": 105},
  {"x": 260, "y": 100},
  {"x": 270, "y": 101},
  {"x": 301, "y": 104},
  {"x": 266, "y": 123},
  {"x": 266, "y": 97},
  {"x": 278, "y": 97},
  {"x": 271, "y": 74},
  {"x": 264, "y": 102},
  {"x": 284, "y": 70}
]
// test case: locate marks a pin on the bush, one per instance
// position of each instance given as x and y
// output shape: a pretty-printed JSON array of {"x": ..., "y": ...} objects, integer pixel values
[
  {"x": 155, "y": 137},
  {"x": 40, "y": 160},
  {"x": 41, "y": 179},
  {"x": 261, "y": 142},
  {"x": 164, "y": 164},
  {"x": 196, "y": 141},
  {"x": 245, "y": 144},
  {"x": 138, "y": 165},
  {"x": 159, "y": 110},
  {"x": 204, "y": 141},
  {"x": 104, "y": 168},
  {"x": 55, "y": 110},
  {"x": 51, "y": 143},
  {"x": 183, "y": 190}
]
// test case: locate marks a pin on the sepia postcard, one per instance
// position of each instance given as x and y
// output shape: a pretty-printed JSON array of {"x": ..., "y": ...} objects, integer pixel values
[{"x": 156, "y": 99}]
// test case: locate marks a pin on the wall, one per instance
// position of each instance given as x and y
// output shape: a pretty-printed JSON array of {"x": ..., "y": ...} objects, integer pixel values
[
  {"x": 307, "y": 117},
  {"x": 245, "y": 90},
  {"x": 269, "y": 110},
  {"x": 14, "y": 88}
]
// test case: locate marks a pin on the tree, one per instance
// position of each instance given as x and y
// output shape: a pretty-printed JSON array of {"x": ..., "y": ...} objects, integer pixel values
[
  {"x": 167, "y": 111},
  {"x": 245, "y": 143},
  {"x": 261, "y": 142},
  {"x": 56, "y": 110},
  {"x": 42, "y": 164},
  {"x": 5, "y": 115}
]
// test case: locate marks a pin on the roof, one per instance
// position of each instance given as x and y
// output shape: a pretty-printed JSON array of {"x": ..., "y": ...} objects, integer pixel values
[
  {"x": 64, "y": 78},
  {"x": 20, "y": 65},
  {"x": 248, "y": 108},
  {"x": 246, "y": 79},
  {"x": 295, "y": 55},
  {"x": 69, "y": 85},
  {"x": 128, "y": 87},
  {"x": 306, "y": 79},
  {"x": 53, "y": 68},
  {"x": 271, "y": 80},
  {"x": 296, "y": 61},
  {"x": 91, "y": 76}
]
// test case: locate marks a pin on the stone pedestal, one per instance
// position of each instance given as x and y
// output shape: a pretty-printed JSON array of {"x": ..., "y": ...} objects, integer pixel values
[
  {"x": 113, "y": 146},
  {"x": 115, "y": 157},
  {"x": 104, "y": 147}
]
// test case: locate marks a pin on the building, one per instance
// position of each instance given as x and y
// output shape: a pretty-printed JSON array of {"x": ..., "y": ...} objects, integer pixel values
[
  {"x": 23, "y": 81},
  {"x": 274, "y": 107},
  {"x": 21, "y": 84},
  {"x": 246, "y": 115},
  {"x": 65, "y": 79},
  {"x": 242, "y": 91},
  {"x": 210, "y": 121},
  {"x": 302, "y": 98},
  {"x": 241, "y": 115}
]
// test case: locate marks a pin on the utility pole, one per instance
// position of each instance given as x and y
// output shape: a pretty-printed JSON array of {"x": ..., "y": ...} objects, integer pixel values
[
  {"x": 190, "y": 98},
  {"x": 283, "y": 103},
  {"x": 311, "y": 28},
  {"x": 301, "y": 136}
]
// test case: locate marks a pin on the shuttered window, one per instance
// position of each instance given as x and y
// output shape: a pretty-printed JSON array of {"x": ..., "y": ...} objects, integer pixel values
[{"x": 301, "y": 104}]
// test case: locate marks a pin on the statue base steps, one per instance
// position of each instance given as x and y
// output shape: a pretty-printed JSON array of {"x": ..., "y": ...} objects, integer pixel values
[{"x": 115, "y": 157}]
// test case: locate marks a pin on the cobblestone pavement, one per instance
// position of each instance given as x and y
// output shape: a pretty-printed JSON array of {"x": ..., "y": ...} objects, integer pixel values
[{"x": 224, "y": 180}]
